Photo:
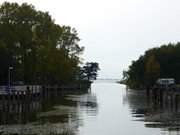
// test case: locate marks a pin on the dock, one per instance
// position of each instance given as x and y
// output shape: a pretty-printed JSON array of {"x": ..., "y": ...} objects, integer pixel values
[
  {"x": 165, "y": 96},
  {"x": 38, "y": 92}
]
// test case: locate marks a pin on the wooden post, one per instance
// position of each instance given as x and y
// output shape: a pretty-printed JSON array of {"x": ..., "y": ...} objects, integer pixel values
[
  {"x": 171, "y": 101},
  {"x": 176, "y": 102},
  {"x": 147, "y": 91},
  {"x": 161, "y": 97},
  {"x": 3, "y": 101}
]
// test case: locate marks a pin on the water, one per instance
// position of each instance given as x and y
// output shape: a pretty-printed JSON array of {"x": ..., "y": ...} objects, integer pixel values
[{"x": 108, "y": 109}]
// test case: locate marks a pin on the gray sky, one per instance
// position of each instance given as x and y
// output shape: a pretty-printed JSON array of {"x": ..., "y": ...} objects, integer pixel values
[{"x": 115, "y": 32}]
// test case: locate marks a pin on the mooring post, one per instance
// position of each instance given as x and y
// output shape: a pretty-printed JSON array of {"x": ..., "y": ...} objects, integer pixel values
[
  {"x": 3, "y": 101},
  {"x": 155, "y": 94},
  {"x": 8, "y": 101},
  {"x": 161, "y": 97},
  {"x": 171, "y": 101},
  {"x": 147, "y": 91},
  {"x": 176, "y": 102},
  {"x": 42, "y": 92}
]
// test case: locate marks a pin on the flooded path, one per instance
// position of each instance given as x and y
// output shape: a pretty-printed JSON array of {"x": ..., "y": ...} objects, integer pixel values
[{"x": 107, "y": 109}]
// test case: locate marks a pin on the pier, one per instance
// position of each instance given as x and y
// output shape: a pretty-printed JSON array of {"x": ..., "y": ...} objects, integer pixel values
[
  {"x": 32, "y": 93},
  {"x": 165, "y": 97}
]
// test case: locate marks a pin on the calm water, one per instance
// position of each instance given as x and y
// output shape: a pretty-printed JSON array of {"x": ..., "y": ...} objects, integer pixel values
[{"x": 109, "y": 109}]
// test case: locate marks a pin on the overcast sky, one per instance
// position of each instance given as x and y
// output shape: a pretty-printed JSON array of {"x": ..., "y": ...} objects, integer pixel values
[{"x": 115, "y": 32}]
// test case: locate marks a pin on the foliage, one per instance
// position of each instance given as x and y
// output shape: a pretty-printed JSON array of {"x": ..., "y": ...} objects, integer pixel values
[
  {"x": 89, "y": 71},
  {"x": 152, "y": 70},
  {"x": 39, "y": 50},
  {"x": 159, "y": 62}
]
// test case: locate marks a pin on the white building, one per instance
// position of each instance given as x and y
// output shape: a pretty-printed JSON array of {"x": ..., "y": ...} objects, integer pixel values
[{"x": 165, "y": 81}]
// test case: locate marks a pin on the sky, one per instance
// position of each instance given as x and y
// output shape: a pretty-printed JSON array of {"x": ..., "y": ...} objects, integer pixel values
[{"x": 115, "y": 32}]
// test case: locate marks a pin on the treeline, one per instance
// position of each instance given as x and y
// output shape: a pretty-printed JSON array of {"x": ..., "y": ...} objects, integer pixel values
[
  {"x": 35, "y": 49},
  {"x": 159, "y": 62}
]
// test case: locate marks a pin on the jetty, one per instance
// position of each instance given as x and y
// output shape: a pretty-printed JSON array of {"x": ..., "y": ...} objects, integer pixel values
[
  {"x": 40, "y": 92},
  {"x": 165, "y": 96}
]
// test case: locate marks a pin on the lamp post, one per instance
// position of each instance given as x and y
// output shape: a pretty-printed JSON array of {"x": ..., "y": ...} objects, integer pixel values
[{"x": 9, "y": 77}]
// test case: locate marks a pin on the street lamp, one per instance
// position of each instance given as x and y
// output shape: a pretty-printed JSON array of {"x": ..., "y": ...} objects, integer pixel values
[{"x": 9, "y": 77}]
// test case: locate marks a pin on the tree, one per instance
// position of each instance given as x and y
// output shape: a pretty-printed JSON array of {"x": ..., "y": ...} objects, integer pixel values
[
  {"x": 159, "y": 62},
  {"x": 152, "y": 70},
  {"x": 39, "y": 50},
  {"x": 90, "y": 70}
]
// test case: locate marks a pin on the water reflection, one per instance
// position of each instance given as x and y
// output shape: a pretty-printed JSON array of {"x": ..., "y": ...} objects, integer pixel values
[
  {"x": 61, "y": 115},
  {"x": 164, "y": 115},
  {"x": 107, "y": 110}
]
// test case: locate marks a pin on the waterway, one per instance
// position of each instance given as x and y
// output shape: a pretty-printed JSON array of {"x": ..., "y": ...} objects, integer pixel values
[{"x": 108, "y": 108}]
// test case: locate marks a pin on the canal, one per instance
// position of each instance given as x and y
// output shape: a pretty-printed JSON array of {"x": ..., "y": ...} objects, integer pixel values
[{"x": 107, "y": 109}]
